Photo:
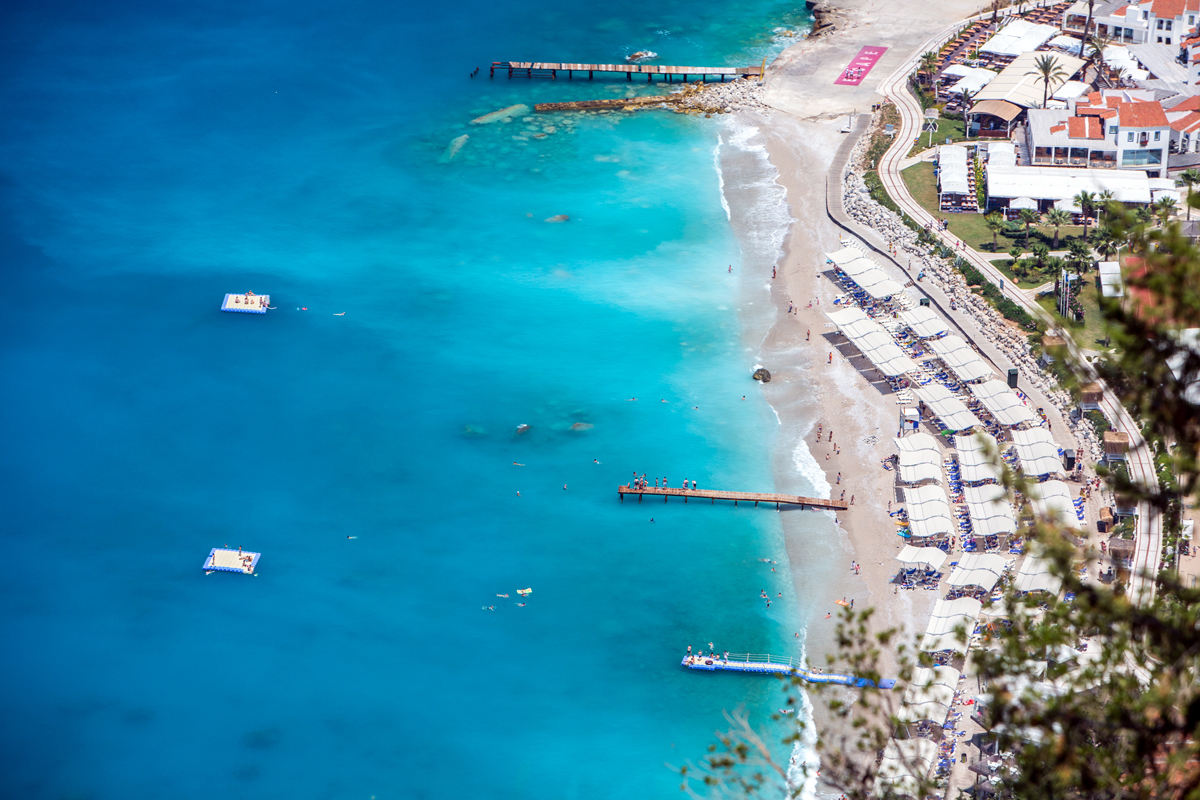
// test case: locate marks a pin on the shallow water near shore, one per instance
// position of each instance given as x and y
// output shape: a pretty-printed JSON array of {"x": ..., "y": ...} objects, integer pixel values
[{"x": 159, "y": 158}]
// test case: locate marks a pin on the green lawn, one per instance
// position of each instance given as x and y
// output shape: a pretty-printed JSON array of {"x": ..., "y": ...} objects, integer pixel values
[
  {"x": 970, "y": 227},
  {"x": 947, "y": 128},
  {"x": 1091, "y": 332}
]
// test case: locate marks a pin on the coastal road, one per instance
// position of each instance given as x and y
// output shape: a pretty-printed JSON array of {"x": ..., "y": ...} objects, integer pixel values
[{"x": 1148, "y": 542}]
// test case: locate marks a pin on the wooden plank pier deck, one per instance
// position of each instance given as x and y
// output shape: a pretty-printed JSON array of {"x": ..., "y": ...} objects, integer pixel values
[
  {"x": 715, "y": 495},
  {"x": 546, "y": 69}
]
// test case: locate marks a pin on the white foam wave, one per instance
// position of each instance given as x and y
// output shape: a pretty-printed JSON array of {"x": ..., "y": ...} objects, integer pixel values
[
  {"x": 808, "y": 468},
  {"x": 721, "y": 179}
]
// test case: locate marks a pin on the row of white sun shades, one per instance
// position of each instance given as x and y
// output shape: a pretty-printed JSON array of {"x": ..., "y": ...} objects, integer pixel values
[
  {"x": 928, "y": 512},
  {"x": 960, "y": 358},
  {"x": 930, "y": 695},
  {"x": 904, "y": 764},
  {"x": 953, "y": 413},
  {"x": 865, "y": 272},
  {"x": 1034, "y": 576},
  {"x": 923, "y": 322},
  {"x": 947, "y": 617},
  {"x": 1035, "y": 447},
  {"x": 952, "y": 169},
  {"x": 919, "y": 458},
  {"x": 873, "y": 341},
  {"x": 991, "y": 513},
  {"x": 1002, "y": 402}
]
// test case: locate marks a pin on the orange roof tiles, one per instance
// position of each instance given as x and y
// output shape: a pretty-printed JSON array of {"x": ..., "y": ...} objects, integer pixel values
[
  {"x": 1142, "y": 115},
  {"x": 1191, "y": 104},
  {"x": 1189, "y": 123},
  {"x": 1084, "y": 128}
]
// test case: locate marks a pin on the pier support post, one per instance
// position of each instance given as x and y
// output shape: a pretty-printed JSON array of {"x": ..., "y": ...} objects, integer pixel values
[
  {"x": 649, "y": 75},
  {"x": 639, "y": 498},
  {"x": 622, "y": 496},
  {"x": 628, "y": 75}
]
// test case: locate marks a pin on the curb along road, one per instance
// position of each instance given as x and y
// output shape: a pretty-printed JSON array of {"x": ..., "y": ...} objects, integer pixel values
[{"x": 1148, "y": 547}]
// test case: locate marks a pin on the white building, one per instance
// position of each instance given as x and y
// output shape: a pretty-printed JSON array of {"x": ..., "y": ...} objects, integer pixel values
[
  {"x": 1114, "y": 129},
  {"x": 1138, "y": 22}
]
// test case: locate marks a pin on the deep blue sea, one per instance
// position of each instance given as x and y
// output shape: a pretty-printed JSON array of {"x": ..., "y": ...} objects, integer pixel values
[{"x": 156, "y": 155}]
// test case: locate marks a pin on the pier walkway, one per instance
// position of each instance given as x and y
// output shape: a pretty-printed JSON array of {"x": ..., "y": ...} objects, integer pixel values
[
  {"x": 777, "y": 665},
  {"x": 715, "y": 495},
  {"x": 540, "y": 69}
]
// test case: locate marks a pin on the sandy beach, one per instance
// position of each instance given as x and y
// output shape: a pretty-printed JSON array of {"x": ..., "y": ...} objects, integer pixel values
[{"x": 802, "y": 137}]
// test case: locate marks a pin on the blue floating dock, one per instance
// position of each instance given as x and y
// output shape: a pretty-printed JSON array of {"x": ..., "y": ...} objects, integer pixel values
[
  {"x": 223, "y": 560},
  {"x": 248, "y": 303},
  {"x": 776, "y": 665}
]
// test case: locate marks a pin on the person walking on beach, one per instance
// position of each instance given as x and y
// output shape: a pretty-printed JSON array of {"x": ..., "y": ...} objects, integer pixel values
[
  {"x": 807, "y": 334},
  {"x": 839, "y": 478},
  {"x": 851, "y": 499},
  {"x": 830, "y": 357}
]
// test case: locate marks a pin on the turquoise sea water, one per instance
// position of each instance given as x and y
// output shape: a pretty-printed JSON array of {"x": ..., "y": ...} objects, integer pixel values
[{"x": 156, "y": 156}]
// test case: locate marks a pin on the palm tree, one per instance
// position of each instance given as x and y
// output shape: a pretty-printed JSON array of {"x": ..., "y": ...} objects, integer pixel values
[
  {"x": 967, "y": 97},
  {"x": 1015, "y": 253},
  {"x": 1106, "y": 242},
  {"x": 1080, "y": 255},
  {"x": 1164, "y": 208},
  {"x": 995, "y": 224},
  {"x": 1056, "y": 218},
  {"x": 929, "y": 61},
  {"x": 1087, "y": 204},
  {"x": 1189, "y": 177},
  {"x": 1054, "y": 265},
  {"x": 1092, "y": 50},
  {"x": 1087, "y": 27},
  {"x": 1029, "y": 218},
  {"x": 1040, "y": 251},
  {"x": 1048, "y": 68}
]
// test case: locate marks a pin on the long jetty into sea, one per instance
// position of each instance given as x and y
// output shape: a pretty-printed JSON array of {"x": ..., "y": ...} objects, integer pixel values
[
  {"x": 542, "y": 69},
  {"x": 715, "y": 495},
  {"x": 777, "y": 665}
]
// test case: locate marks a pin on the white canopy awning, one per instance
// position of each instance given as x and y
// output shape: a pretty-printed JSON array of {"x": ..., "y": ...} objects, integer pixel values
[
  {"x": 873, "y": 341},
  {"x": 1038, "y": 451},
  {"x": 923, "y": 322},
  {"x": 1019, "y": 36},
  {"x": 991, "y": 513},
  {"x": 868, "y": 275},
  {"x": 928, "y": 512},
  {"x": 952, "y": 169},
  {"x": 844, "y": 256},
  {"x": 953, "y": 413},
  {"x": 1053, "y": 499},
  {"x": 1002, "y": 402},
  {"x": 974, "y": 463},
  {"x": 947, "y": 617},
  {"x": 919, "y": 458},
  {"x": 961, "y": 358},
  {"x": 906, "y": 762},
  {"x": 978, "y": 569},
  {"x": 1034, "y": 576},
  {"x": 932, "y": 557},
  {"x": 1022, "y": 202},
  {"x": 930, "y": 695}
]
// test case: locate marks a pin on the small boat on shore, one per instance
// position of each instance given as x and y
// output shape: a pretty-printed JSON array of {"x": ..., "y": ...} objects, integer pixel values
[{"x": 641, "y": 55}]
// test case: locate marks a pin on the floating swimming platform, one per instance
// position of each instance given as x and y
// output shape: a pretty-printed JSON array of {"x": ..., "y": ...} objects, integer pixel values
[
  {"x": 777, "y": 665},
  {"x": 248, "y": 303},
  {"x": 223, "y": 560}
]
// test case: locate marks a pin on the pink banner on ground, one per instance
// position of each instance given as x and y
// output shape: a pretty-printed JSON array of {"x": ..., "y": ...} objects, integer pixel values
[{"x": 856, "y": 73}]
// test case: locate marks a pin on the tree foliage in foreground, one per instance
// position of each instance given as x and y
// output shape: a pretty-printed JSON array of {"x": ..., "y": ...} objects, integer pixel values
[{"x": 1120, "y": 719}]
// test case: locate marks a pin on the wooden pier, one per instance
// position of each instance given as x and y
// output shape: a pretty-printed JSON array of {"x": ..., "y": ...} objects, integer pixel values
[
  {"x": 776, "y": 665},
  {"x": 715, "y": 495},
  {"x": 600, "y": 105},
  {"x": 540, "y": 69}
]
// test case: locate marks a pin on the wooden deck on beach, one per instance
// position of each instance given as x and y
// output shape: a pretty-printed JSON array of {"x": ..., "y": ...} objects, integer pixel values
[
  {"x": 546, "y": 69},
  {"x": 716, "y": 494}
]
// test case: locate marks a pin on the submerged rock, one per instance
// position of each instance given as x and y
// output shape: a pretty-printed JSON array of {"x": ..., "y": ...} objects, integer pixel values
[
  {"x": 582, "y": 426},
  {"x": 504, "y": 114},
  {"x": 761, "y": 374},
  {"x": 558, "y": 218},
  {"x": 452, "y": 149}
]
